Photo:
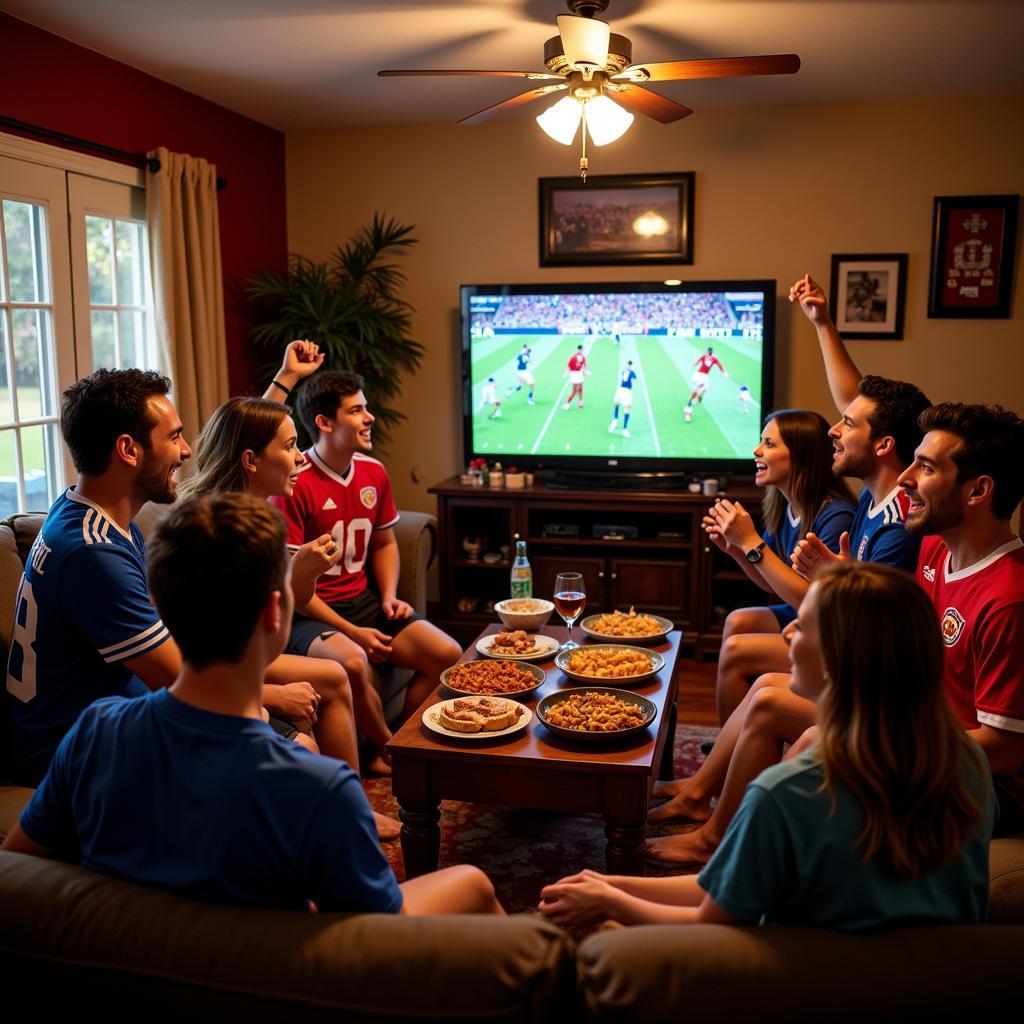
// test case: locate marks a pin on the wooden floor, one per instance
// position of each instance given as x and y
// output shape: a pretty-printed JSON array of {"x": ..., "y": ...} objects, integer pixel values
[{"x": 696, "y": 681}]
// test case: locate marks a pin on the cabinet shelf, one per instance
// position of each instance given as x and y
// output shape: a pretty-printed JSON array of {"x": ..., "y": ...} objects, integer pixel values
[
  {"x": 593, "y": 542},
  {"x": 468, "y": 563}
]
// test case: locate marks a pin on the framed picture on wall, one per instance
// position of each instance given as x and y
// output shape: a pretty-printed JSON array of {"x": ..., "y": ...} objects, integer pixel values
[
  {"x": 868, "y": 295},
  {"x": 616, "y": 220},
  {"x": 973, "y": 245}
]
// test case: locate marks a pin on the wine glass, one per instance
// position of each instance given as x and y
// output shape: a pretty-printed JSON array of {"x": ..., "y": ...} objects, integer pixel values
[{"x": 570, "y": 597}]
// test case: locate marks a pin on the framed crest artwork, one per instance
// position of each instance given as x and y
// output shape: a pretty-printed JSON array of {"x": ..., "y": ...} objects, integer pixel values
[
  {"x": 867, "y": 295},
  {"x": 973, "y": 245}
]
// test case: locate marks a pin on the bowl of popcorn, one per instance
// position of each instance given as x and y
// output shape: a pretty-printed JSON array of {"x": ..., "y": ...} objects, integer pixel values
[{"x": 526, "y": 613}]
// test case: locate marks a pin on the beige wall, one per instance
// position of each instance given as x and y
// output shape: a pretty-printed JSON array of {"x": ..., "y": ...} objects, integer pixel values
[{"x": 779, "y": 189}]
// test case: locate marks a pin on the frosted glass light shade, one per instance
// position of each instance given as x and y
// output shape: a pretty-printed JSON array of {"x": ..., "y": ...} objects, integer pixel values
[
  {"x": 606, "y": 121},
  {"x": 562, "y": 120},
  {"x": 584, "y": 40}
]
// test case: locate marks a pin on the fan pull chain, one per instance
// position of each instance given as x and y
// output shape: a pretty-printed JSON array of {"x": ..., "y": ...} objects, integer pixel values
[{"x": 584, "y": 164}]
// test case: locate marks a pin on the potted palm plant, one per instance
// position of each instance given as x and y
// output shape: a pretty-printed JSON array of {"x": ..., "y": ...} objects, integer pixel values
[{"x": 351, "y": 307}]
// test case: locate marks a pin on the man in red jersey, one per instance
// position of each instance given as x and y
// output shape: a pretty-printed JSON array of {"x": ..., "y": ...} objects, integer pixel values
[
  {"x": 702, "y": 367},
  {"x": 341, "y": 490},
  {"x": 576, "y": 368},
  {"x": 964, "y": 484}
]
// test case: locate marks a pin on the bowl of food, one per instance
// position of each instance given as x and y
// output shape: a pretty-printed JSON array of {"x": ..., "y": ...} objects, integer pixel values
[
  {"x": 630, "y": 627},
  {"x": 491, "y": 677},
  {"x": 596, "y": 713},
  {"x": 609, "y": 664},
  {"x": 527, "y": 613}
]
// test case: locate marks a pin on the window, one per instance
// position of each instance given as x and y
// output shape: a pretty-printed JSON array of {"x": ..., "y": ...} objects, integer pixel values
[{"x": 75, "y": 295}]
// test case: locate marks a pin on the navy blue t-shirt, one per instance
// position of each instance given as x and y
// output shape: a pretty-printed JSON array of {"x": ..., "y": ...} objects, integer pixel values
[
  {"x": 216, "y": 807},
  {"x": 878, "y": 533}
]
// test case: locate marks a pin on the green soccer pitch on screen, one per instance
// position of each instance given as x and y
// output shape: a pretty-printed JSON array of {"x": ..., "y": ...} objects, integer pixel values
[{"x": 628, "y": 376}]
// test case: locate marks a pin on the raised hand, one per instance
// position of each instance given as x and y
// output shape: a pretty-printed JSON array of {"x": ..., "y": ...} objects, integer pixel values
[
  {"x": 734, "y": 523},
  {"x": 301, "y": 360},
  {"x": 811, "y": 553},
  {"x": 812, "y": 299}
]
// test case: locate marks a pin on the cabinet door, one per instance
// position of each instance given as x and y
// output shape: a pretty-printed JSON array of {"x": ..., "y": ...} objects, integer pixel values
[
  {"x": 649, "y": 585},
  {"x": 595, "y": 577}
]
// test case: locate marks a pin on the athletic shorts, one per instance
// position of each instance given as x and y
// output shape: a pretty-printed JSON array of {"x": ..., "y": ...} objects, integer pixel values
[
  {"x": 526, "y": 377},
  {"x": 283, "y": 728},
  {"x": 784, "y": 614},
  {"x": 575, "y": 376},
  {"x": 624, "y": 397},
  {"x": 700, "y": 381},
  {"x": 362, "y": 610}
]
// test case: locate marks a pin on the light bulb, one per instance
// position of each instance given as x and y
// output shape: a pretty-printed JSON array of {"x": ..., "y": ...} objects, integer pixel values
[
  {"x": 606, "y": 121},
  {"x": 650, "y": 225},
  {"x": 562, "y": 120}
]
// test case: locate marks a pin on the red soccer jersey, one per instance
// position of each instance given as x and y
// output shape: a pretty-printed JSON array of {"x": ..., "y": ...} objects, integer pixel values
[
  {"x": 981, "y": 614},
  {"x": 349, "y": 507},
  {"x": 706, "y": 362},
  {"x": 577, "y": 361}
]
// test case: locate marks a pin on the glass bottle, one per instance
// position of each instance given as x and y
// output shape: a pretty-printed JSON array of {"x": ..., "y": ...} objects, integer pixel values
[{"x": 522, "y": 574}]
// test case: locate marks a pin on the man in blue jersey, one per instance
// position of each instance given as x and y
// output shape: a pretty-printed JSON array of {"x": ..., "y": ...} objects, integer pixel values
[
  {"x": 524, "y": 374},
  {"x": 624, "y": 398},
  {"x": 188, "y": 788}
]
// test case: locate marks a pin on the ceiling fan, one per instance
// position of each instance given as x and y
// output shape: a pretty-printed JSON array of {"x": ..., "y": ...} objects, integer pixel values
[{"x": 594, "y": 66}]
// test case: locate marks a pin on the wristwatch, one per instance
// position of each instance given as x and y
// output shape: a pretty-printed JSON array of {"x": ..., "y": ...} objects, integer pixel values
[{"x": 755, "y": 554}]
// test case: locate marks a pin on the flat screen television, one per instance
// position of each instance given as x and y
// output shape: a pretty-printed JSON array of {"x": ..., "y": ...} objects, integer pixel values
[{"x": 550, "y": 372}]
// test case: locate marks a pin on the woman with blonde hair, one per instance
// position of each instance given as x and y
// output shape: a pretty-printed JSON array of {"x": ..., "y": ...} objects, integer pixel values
[
  {"x": 854, "y": 833},
  {"x": 251, "y": 445}
]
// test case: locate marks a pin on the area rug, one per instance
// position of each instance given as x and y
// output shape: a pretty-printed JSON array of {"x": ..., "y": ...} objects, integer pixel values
[{"x": 522, "y": 850}]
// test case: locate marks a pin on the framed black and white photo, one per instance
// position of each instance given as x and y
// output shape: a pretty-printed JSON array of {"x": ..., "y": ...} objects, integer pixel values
[
  {"x": 616, "y": 220},
  {"x": 868, "y": 293}
]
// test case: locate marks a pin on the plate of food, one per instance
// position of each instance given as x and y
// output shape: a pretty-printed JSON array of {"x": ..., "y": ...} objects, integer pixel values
[
  {"x": 609, "y": 664},
  {"x": 596, "y": 713},
  {"x": 630, "y": 627},
  {"x": 517, "y": 645},
  {"x": 476, "y": 718},
  {"x": 493, "y": 678}
]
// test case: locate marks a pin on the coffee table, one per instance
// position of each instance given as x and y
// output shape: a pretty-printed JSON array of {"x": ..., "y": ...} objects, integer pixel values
[{"x": 536, "y": 770}]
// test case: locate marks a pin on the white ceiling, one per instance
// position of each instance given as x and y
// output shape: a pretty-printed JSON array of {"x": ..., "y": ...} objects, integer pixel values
[{"x": 307, "y": 64}]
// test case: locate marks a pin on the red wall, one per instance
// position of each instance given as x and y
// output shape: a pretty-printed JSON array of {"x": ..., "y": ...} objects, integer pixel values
[{"x": 49, "y": 81}]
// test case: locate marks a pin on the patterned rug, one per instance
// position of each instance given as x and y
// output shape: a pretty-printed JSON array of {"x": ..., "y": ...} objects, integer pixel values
[{"x": 522, "y": 850}]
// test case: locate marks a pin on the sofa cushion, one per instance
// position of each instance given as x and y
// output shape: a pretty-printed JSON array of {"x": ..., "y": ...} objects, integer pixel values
[
  {"x": 67, "y": 928},
  {"x": 1006, "y": 871}
]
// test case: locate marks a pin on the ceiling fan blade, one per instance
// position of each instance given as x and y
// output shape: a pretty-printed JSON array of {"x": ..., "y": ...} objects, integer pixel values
[
  {"x": 510, "y": 104},
  {"x": 720, "y": 67},
  {"x": 643, "y": 101},
  {"x": 488, "y": 74}
]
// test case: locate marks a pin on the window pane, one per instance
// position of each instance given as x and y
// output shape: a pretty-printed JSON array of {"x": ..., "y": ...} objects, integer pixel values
[
  {"x": 6, "y": 411},
  {"x": 40, "y": 457},
  {"x": 9, "y": 503},
  {"x": 25, "y": 228},
  {"x": 130, "y": 263},
  {"x": 33, "y": 363},
  {"x": 133, "y": 352},
  {"x": 104, "y": 339},
  {"x": 100, "y": 259}
]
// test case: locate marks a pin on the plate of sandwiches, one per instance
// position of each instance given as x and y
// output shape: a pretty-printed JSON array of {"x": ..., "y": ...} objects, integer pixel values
[
  {"x": 517, "y": 645},
  {"x": 493, "y": 678},
  {"x": 477, "y": 718},
  {"x": 609, "y": 664},
  {"x": 630, "y": 627}
]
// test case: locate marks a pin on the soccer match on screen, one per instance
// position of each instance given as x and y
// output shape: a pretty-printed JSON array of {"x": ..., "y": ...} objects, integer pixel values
[{"x": 644, "y": 374}]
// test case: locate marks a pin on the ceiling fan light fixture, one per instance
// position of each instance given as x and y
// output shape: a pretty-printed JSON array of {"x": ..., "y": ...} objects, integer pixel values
[
  {"x": 562, "y": 120},
  {"x": 606, "y": 121},
  {"x": 584, "y": 41}
]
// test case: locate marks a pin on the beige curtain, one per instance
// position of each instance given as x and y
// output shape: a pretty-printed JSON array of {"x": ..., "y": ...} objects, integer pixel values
[{"x": 188, "y": 286}]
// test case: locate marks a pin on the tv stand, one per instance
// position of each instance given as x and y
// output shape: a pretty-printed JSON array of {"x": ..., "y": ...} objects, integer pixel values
[
  {"x": 606, "y": 480},
  {"x": 642, "y": 548}
]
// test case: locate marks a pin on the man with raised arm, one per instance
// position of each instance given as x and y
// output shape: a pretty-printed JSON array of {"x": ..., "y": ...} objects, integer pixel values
[{"x": 188, "y": 788}]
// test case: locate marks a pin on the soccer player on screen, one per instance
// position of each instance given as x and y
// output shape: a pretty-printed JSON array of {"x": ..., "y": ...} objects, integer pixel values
[
  {"x": 524, "y": 374},
  {"x": 624, "y": 397},
  {"x": 745, "y": 399},
  {"x": 575, "y": 369},
  {"x": 703, "y": 366},
  {"x": 489, "y": 396}
]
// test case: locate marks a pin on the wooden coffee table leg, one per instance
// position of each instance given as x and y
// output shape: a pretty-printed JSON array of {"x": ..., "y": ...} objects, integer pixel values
[
  {"x": 666, "y": 770},
  {"x": 625, "y": 825},
  {"x": 421, "y": 837}
]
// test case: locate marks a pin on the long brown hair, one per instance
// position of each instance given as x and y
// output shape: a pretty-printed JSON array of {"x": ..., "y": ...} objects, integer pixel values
[
  {"x": 887, "y": 732},
  {"x": 811, "y": 480},
  {"x": 236, "y": 426}
]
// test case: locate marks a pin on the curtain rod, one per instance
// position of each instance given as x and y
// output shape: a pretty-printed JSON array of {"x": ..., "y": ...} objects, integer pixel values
[{"x": 66, "y": 141}]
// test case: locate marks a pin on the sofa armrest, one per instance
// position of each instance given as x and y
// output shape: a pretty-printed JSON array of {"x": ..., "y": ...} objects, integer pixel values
[
  {"x": 1006, "y": 876},
  {"x": 104, "y": 939},
  {"x": 416, "y": 533},
  {"x": 721, "y": 973}
]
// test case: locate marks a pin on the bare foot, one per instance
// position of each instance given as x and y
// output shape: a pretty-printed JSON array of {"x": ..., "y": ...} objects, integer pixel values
[
  {"x": 689, "y": 848},
  {"x": 682, "y": 807},
  {"x": 664, "y": 788},
  {"x": 378, "y": 766},
  {"x": 388, "y": 829}
]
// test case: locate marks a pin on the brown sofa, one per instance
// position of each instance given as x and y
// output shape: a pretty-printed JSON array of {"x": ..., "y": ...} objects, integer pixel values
[{"x": 99, "y": 945}]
